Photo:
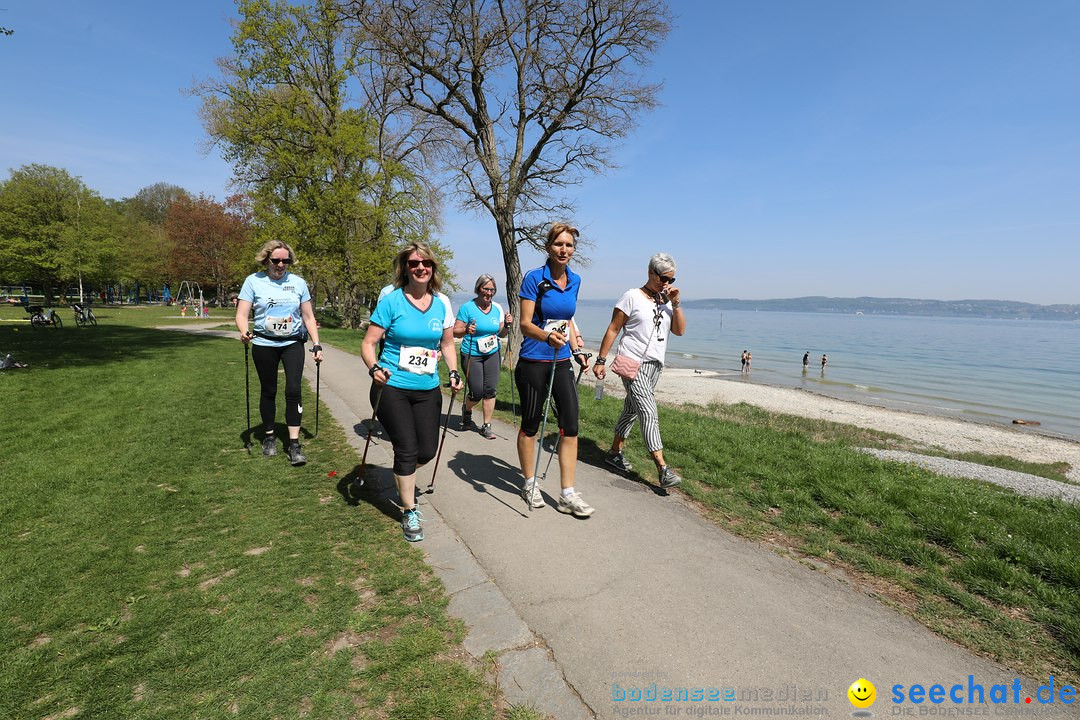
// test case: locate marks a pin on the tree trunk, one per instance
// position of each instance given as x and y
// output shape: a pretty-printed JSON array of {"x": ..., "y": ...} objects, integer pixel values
[{"x": 504, "y": 222}]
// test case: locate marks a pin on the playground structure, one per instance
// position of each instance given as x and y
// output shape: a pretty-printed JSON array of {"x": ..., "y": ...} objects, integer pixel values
[{"x": 190, "y": 295}]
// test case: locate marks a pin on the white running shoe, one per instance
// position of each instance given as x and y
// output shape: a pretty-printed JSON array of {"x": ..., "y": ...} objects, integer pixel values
[
  {"x": 531, "y": 494},
  {"x": 574, "y": 505}
]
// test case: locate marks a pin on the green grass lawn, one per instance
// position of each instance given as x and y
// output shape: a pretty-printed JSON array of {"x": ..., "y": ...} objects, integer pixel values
[
  {"x": 153, "y": 569},
  {"x": 127, "y": 315}
]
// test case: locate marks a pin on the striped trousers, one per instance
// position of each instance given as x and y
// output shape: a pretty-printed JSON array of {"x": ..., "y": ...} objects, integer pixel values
[{"x": 640, "y": 404}]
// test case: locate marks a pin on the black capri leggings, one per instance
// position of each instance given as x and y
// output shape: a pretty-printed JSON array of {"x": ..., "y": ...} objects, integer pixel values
[
  {"x": 483, "y": 374},
  {"x": 532, "y": 381},
  {"x": 266, "y": 365},
  {"x": 411, "y": 419}
]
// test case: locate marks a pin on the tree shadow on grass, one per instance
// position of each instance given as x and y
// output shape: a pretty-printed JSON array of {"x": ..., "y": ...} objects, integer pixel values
[{"x": 50, "y": 349}]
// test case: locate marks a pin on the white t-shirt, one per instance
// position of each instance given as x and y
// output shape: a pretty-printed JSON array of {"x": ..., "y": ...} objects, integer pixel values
[{"x": 645, "y": 333}]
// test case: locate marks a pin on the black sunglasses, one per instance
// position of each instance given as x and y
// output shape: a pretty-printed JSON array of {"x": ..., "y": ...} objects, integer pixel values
[
  {"x": 663, "y": 278},
  {"x": 413, "y": 264},
  {"x": 281, "y": 261}
]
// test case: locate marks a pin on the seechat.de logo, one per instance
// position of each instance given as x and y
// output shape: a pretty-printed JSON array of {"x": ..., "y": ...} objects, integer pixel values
[{"x": 862, "y": 695}]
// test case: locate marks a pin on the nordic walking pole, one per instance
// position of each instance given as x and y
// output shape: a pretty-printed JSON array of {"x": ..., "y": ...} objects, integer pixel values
[
  {"x": 510, "y": 369},
  {"x": 581, "y": 369},
  {"x": 464, "y": 402},
  {"x": 318, "y": 367},
  {"x": 543, "y": 429},
  {"x": 438, "y": 453},
  {"x": 371, "y": 424},
  {"x": 555, "y": 445},
  {"x": 513, "y": 381},
  {"x": 247, "y": 394}
]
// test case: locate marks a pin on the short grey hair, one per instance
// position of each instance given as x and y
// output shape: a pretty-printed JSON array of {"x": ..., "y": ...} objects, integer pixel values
[
  {"x": 484, "y": 280},
  {"x": 662, "y": 264}
]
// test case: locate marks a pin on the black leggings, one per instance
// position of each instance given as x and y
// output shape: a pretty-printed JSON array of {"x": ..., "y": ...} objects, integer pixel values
[
  {"x": 532, "y": 381},
  {"x": 266, "y": 365},
  {"x": 411, "y": 419},
  {"x": 483, "y": 374}
]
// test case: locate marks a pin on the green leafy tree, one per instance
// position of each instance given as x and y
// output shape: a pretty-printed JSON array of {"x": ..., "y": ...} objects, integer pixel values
[
  {"x": 320, "y": 172},
  {"x": 524, "y": 96},
  {"x": 53, "y": 229}
]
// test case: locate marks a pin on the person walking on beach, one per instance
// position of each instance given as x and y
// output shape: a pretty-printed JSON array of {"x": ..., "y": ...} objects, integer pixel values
[
  {"x": 283, "y": 321},
  {"x": 549, "y": 338},
  {"x": 480, "y": 323},
  {"x": 806, "y": 360},
  {"x": 416, "y": 321},
  {"x": 645, "y": 315}
]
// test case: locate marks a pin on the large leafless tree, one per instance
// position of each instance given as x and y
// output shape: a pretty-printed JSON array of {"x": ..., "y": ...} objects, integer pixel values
[{"x": 524, "y": 97}]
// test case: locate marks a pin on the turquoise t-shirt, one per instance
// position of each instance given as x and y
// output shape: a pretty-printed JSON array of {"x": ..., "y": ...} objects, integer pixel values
[
  {"x": 411, "y": 348},
  {"x": 278, "y": 321},
  {"x": 485, "y": 341}
]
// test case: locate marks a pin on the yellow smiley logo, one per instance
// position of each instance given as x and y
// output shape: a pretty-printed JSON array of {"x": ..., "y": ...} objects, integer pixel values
[{"x": 862, "y": 693}]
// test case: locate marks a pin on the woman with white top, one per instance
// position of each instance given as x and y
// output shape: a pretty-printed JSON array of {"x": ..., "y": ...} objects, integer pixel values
[{"x": 645, "y": 315}]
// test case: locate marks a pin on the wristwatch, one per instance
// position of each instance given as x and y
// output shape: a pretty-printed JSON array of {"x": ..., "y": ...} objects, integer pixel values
[{"x": 600, "y": 361}]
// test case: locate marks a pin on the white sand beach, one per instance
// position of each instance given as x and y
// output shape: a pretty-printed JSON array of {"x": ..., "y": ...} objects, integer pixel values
[{"x": 681, "y": 386}]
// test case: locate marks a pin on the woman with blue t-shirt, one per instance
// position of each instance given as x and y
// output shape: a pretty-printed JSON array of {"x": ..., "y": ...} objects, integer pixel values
[
  {"x": 480, "y": 323},
  {"x": 416, "y": 323},
  {"x": 548, "y": 303},
  {"x": 283, "y": 320}
]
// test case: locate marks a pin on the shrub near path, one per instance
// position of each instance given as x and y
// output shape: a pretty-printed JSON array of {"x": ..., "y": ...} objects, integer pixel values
[{"x": 153, "y": 569}]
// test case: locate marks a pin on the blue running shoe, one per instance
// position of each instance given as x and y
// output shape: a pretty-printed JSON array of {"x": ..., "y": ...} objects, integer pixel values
[{"x": 410, "y": 525}]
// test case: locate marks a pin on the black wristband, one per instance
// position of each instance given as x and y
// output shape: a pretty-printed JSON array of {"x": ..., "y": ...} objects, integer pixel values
[
  {"x": 455, "y": 375},
  {"x": 316, "y": 348},
  {"x": 600, "y": 361},
  {"x": 374, "y": 369}
]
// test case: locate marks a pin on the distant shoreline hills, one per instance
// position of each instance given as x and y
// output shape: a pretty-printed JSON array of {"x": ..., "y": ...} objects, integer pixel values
[{"x": 1004, "y": 309}]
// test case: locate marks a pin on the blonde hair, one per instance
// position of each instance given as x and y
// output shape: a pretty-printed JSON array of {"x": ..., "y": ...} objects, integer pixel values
[
  {"x": 263, "y": 256},
  {"x": 401, "y": 266},
  {"x": 558, "y": 229}
]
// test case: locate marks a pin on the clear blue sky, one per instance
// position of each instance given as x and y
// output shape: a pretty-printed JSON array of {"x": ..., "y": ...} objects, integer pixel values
[{"x": 858, "y": 147}]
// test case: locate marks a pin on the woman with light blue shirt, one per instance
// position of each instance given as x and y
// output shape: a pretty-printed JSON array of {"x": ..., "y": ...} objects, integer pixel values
[
  {"x": 416, "y": 323},
  {"x": 480, "y": 323},
  {"x": 283, "y": 321}
]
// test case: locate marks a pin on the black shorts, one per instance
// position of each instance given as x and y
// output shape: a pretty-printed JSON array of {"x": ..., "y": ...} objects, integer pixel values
[
  {"x": 411, "y": 419},
  {"x": 532, "y": 378}
]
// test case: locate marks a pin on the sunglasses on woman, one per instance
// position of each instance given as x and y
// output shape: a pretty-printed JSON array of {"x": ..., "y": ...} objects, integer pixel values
[
  {"x": 281, "y": 261},
  {"x": 413, "y": 264},
  {"x": 664, "y": 278}
]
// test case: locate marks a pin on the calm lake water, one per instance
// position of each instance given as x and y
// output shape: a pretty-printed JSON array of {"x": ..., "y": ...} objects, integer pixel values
[{"x": 982, "y": 370}]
